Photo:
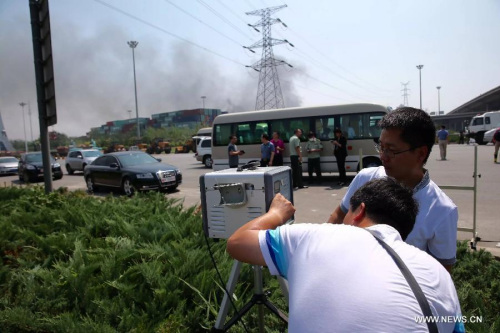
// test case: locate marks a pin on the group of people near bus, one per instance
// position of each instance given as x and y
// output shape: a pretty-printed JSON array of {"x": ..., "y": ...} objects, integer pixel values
[
  {"x": 382, "y": 259},
  {"x": 273, "y": 149}
]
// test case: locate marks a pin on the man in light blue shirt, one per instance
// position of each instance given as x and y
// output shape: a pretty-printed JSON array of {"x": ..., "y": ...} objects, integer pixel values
[{"x": 443, "y": 138}]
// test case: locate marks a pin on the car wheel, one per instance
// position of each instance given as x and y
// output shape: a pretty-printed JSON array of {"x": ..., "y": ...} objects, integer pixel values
[
  {"x": 21, "y": 179},
  {"x": 26, "y": 177},
  {"x": 207, "y": 160},
  {"x": 68, "y": 168},
  {"x": 371, "y": 162},
  {"x": 58, "y": 177},
  {"x": 83, "y": 166},
  {"x": 91, "y": 188},
  {"x": 127, "y": 187}
]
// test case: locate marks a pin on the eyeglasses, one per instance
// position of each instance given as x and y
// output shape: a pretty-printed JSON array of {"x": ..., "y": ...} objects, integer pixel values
[{"x": 389, "y": 153}]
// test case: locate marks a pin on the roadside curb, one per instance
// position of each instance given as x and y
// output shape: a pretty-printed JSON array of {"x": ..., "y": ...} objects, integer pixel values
[{"x": 493, "y": 250}]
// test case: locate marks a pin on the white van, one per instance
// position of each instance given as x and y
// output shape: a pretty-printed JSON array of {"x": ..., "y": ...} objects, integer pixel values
[
  {"x": 204, "y": 151},
  {"x": 480, "y": 124},
  {"x": 205, "y": 131}
]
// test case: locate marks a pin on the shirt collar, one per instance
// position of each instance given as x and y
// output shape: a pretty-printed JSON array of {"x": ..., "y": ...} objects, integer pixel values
[
  {"x": 385, "y": 232},
  {"x": 423, "y": 183}
]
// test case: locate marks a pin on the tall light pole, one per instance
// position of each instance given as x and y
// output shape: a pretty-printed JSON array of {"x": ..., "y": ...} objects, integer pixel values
[
  {"x": 420, "y": 80},
  {"x": 439, "y": 99},
  {"x": 129, "y": 114},
  {"x": 133, "y": 45},
  {"x": 31, "y": 126},
  {"x": 24, "y": 126},
  {"x": 203, "y": 99}
]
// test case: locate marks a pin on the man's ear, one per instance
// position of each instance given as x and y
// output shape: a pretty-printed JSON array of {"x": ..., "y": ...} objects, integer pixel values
[
  {"x": 422, "y": 153},
  {"x": 359, "y": 214}
]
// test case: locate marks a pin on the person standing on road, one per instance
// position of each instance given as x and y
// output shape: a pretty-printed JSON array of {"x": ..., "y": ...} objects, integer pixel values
[
  {"x": 296, "y": 159},
  {"x": 233, "y": 152},
  {"x": 405, "y": 143},
  {"x": 279, "y": 149},
  {"x": 266, "y": 151},
  {"x": 314, "y": 148},
  {"x": 340, "y": 152},
  {"x": 443, "y": 138},
  {"x": 496, "y": 141}
]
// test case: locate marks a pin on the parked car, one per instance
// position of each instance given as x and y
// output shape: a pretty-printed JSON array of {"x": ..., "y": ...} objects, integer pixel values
[
  {"x": 31, "y": 167},
  {"x": 488, "y": 136},
  {"x": 204, "y": 151},
  {"x": 8, "y": 165},
  {"x": 78, "y": 159},
  {"x": 131, "y": 171}
]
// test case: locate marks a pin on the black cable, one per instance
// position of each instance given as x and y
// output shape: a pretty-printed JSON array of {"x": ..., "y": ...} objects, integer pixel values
[{"x": 223, "y": 283}]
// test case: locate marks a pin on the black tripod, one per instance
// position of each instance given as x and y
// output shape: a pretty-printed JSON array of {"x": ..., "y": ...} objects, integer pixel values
[{"x": 258, "y": 298}]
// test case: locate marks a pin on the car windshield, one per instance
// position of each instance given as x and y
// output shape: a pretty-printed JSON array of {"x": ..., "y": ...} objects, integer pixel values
[
  {"x": 32, "y": 158},
  {"x": 136, "y": 159},
  {"x": 8, "y": 160},
  {"x": 92, "y": 153}
]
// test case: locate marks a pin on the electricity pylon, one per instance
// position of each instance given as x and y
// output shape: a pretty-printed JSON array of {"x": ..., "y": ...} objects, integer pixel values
[{"x": 269, "y": 95}]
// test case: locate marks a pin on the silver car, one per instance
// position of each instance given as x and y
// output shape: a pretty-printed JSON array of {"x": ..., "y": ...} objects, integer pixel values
[
  {"x": 8, "y": 165},
  {"x": 78, "y": 159}
]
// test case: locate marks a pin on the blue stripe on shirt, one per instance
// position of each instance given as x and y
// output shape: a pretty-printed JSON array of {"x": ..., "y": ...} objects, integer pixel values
[{"x": 277, "y": 252}]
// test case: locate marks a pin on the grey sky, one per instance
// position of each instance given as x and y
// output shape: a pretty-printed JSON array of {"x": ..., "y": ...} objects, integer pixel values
[{"x": 346, "y": 51}]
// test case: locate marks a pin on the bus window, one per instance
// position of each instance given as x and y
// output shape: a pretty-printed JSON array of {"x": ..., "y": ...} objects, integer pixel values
[
  {"x": 222, "y": 134},
  {"x": 250, "y": 132},
  {"x": 350, "y": 124},
  {"x": 303, "y": 124},
  {"x": 374, "y": 130},
  {"x": 324, "y": 128}
]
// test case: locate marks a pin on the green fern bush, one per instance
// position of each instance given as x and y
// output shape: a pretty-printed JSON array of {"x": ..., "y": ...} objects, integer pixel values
[{"x": 77, "y": 263}]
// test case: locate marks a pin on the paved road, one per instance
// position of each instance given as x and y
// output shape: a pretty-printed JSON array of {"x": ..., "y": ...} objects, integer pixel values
[{"x": 317, "y": 202}]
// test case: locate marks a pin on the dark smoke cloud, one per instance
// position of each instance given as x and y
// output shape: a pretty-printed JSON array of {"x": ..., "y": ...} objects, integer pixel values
[{"x": 94, "y": 78}]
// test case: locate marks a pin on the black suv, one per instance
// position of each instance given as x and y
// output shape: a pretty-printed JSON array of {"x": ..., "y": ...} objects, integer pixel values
[{"x": 31, "y": 167}]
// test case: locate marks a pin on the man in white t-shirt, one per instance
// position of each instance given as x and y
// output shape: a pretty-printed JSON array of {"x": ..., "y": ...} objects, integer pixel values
[
  {"x": 404, "y": 146},
  {"x": 340, "y": 278}
]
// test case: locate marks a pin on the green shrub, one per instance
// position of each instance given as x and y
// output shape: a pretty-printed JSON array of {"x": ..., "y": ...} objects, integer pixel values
[
  {"x": 76, "y": 263},
  {"x": 73, "y": 262}
]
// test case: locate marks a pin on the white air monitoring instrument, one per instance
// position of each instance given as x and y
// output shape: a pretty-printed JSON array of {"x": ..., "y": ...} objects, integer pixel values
[{"x": 232, "y": 197}]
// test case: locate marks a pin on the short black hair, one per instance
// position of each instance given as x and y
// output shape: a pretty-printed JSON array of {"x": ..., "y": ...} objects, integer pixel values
[
  {"x": 232, "y": 136},
  {"x": 311, "y": 134},
  {"x": 265, "y": 136},
  {"x": 388, "y": 202},
  {"x": 417, "y": 128}
]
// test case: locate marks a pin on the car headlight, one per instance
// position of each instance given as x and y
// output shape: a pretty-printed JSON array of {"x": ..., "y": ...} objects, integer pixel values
[
  {"x": 30, "y": 167},
  {"x": 145, "y": 175},
  {"x": 57, "y": 165}
]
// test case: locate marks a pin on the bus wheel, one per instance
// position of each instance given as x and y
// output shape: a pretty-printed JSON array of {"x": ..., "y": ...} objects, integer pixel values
[{"x": 371, "y": 162}]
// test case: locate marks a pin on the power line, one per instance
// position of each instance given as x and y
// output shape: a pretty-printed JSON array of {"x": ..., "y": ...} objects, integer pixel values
[
  {"x": 197, "y": 19},
  {"x": 223, "y": 18},
  {"x": 165, "y": 31}
]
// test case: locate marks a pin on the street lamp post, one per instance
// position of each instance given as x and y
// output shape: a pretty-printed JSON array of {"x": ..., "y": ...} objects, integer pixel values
[
  {"x": 420, "y": 80},
  {"x": 439, "y": 99},
  {"x": 24, "y": 126},
  {"x": 203, "y": 99},
  {"x": 133, "y": 45},
  {"x": 129, "y": 114}
]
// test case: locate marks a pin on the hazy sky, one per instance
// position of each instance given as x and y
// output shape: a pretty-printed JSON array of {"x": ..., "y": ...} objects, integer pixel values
[{"x": 345, "y": 52}]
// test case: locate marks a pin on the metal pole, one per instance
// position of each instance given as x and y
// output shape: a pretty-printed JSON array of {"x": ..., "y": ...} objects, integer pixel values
[
  {"x": 420, "y": 80},
  {"x": 31, "y": 126},
  {"x": 133, "y": 45},
  {"x": 24, "y": 126},
  {"x": 439, "y": 99},
  {"x": 203, "y": 99}
]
